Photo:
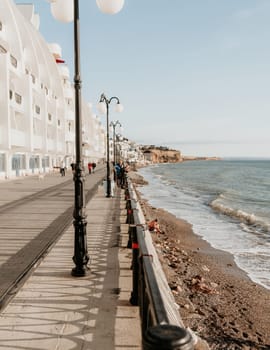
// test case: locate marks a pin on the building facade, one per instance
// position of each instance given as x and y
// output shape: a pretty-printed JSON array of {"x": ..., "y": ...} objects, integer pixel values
[{"x": 37, "y": 119}]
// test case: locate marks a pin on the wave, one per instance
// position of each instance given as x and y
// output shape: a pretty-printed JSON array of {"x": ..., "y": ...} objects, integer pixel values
[
  {"x": 248, "y": 219},
  {"x": 231, "y": 215}
]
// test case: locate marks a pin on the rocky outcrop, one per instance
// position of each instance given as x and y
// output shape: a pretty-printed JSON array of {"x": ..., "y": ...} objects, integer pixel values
[
  {"x": 162, "y": 155},
  {"x": 153, "y": 154}
]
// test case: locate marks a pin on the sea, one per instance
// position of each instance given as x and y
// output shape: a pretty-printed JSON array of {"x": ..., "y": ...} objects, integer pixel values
[{"x": 226, "y": 201}]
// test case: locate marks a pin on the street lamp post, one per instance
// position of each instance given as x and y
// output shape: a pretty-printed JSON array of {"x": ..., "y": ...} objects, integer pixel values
[
  {"x": 113, "y": 125},
  {"x": 103, "y": 107},
  {"x": 68, "y": 11}
]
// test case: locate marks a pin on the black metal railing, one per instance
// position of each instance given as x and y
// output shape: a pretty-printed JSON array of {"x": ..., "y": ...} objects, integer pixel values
[{"x": 160, "y": 328}]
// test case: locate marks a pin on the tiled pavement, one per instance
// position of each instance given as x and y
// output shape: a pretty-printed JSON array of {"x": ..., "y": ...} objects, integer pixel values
[{"x": 54, "y": 310}]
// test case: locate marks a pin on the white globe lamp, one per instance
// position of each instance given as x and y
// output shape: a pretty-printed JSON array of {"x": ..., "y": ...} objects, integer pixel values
[
  {"x": 119, "y": 108},
  {"x": 102, "y": 107},
  {"x": 63, "y": 10},
  {"x": 110, "y": 6}
]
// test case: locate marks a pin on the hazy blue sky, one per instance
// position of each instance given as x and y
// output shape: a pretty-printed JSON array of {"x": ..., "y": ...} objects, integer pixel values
[{"x": 192, "y": 75}]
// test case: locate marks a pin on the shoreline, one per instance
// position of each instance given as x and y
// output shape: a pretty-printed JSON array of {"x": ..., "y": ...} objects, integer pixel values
[{"x": 217, "y": 299}]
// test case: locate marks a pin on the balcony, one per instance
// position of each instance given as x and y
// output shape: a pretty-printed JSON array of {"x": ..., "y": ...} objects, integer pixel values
[
  {"x": 85, "y": 141},
  {"x": 16, "y": 102},
  {"x": 55, "y": 49},
  {"x": 69, "y": 92},
  {"x": 70, "y": 115},
  {"x": 37, "y": 142},
  {"x": 64, "y": 71},
  {"x": 18, "y": 138},
  {"x": 51, "y": 145},
  {"x": 60, "y": 147},
  {"x": 70, "y": 137}
]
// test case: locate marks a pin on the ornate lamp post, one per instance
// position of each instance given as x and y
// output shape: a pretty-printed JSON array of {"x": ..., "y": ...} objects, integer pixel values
[
  {"x": 103, "y": 107},
  {"x": 68, "y": 11},
  {"x": 113, "y": 125}
]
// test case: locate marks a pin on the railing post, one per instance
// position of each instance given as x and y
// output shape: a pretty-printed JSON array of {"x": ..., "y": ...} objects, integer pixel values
[
  {"x": 130, "y": 220},
  {"x": 127, "y": 196},
  {"x": 135, "y": 266},
  {"x": 167, "y": 337}
]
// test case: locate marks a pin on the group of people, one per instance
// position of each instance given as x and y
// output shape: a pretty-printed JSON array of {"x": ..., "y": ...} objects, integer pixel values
[
  {"x": 120, "y": 169},
  {"x": 91, "y": 167}
]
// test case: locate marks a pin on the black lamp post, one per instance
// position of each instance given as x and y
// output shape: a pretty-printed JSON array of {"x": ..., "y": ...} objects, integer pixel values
[
  {"x": 67, "y": 11},
  {"x": 81, "y": 256},
  {"x": 103, "y": 107},
  {"x": 114, "y": 124}
]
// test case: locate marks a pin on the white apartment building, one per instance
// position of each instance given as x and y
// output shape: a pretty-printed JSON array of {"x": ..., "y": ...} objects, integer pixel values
[
  {"x": 37, "y": 122},
  {"x": 129, "y": 151}
]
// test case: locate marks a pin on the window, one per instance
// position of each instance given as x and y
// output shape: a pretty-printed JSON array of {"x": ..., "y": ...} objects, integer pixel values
[
  {"x": 34, "y": 162},
  {"x": 18, "y": 98},
  {"x": 10, "y": 94},
  {"x": 18, "y": 161},
  {"x": 2, "y": 162},
  {"x": 45, "y": 162},
  {"x": 37, "y": 109},
  {"x": 13, "y": 61}
]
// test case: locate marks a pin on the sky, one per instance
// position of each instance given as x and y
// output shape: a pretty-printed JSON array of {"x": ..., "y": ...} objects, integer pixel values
[{"x": 192, "y": 75}]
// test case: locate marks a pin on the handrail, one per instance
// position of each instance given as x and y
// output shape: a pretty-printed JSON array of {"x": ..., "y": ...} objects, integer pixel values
[{"x": 161, "y": 324}]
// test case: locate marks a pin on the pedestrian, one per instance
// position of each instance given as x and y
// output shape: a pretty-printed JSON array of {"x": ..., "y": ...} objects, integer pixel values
[
  {"x": 62, "y": 169},
  {"x": 72, "y": 167},
  {"x": 89, "y": 168},
  {"x": 94, "y": 166},
  {"x": 127, "y": 167},
  {"x": 117, "y": 174}
]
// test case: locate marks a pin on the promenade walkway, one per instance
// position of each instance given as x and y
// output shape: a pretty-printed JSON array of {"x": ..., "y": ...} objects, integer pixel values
[{"x": 54, "y": 310}]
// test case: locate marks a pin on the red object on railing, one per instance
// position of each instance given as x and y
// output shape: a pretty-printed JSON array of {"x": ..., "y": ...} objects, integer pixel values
[{"x": 135, "y": 245}]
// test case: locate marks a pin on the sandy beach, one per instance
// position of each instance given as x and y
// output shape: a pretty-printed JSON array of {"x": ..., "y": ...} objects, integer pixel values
[{"x": 217, "y": 299}]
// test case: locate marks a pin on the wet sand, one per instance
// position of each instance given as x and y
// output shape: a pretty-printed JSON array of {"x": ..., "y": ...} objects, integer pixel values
[{"x": 217, "y": 299}]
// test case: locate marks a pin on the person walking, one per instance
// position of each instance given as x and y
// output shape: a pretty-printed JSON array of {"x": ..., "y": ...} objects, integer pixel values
[
  {"x": 72, "y": 167},
  {"x": 89, "y": 168},
  {"x": 117, "y": 174},
  {"x": 62, "y": 169}
]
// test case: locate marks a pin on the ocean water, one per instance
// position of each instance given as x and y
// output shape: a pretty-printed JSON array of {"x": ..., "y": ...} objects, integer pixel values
[{"x": 226, "y": 201}]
